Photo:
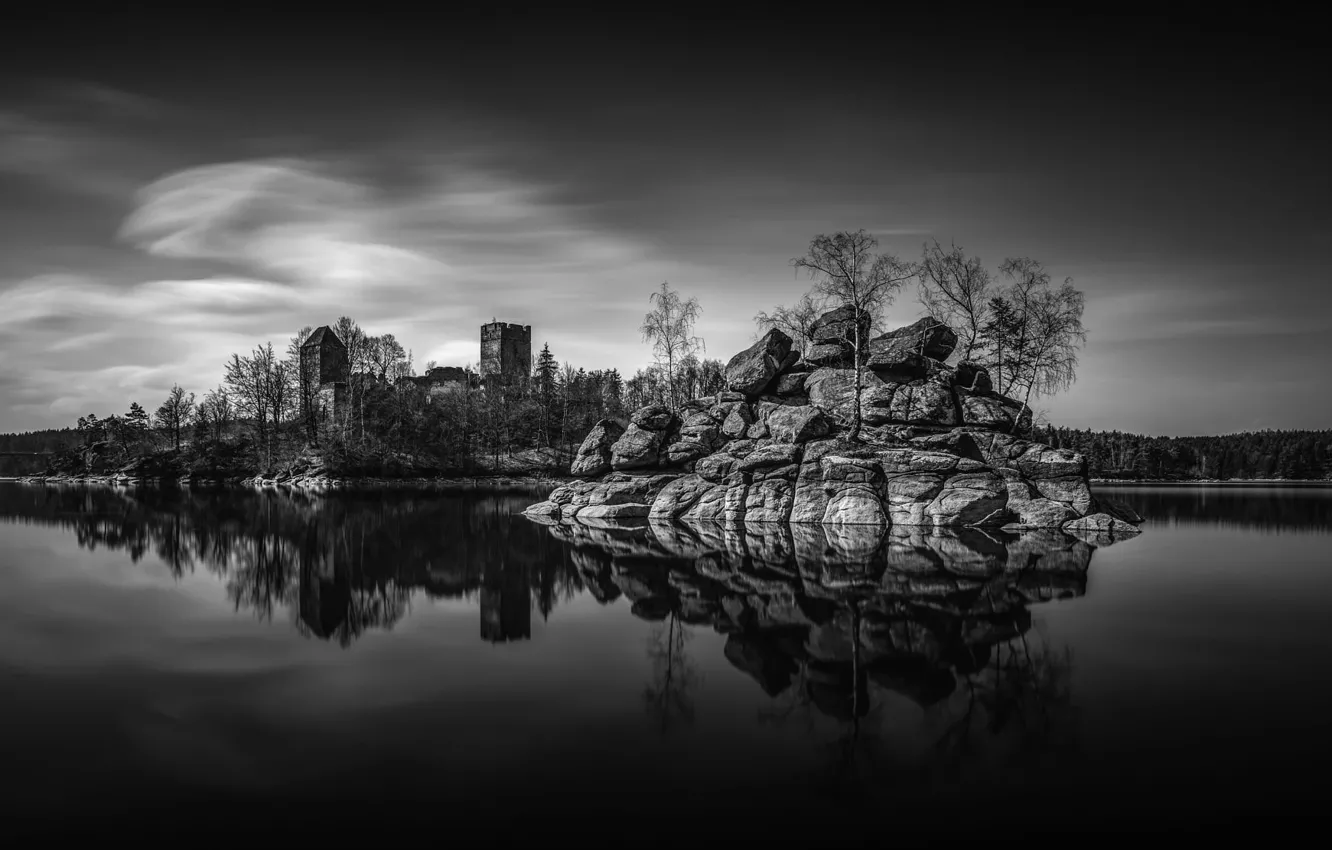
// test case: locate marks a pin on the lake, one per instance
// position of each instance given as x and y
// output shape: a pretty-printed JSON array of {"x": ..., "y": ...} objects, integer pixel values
[{"x": 235, "y": 662}]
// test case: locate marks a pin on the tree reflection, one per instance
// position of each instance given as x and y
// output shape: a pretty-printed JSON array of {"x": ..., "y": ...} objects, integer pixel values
[
  {"x": 668, "y": 698},
  {"x": 340, "y": 566}
]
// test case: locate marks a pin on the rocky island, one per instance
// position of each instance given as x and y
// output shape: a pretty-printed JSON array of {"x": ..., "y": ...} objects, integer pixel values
[{"x": 903, "y": 440}]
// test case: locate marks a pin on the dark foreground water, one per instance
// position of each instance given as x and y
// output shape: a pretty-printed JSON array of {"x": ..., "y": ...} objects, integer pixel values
[{"x": 208, "y": 664}]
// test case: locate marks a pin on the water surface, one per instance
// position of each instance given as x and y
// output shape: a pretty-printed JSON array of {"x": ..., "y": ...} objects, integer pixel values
[{"x": 248, "y": 660}]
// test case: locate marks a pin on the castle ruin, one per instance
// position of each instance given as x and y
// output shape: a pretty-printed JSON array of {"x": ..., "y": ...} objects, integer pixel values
[
  {"x": 324, "y": 374},
  {"x": 506, "y": 360},
  {"x": 506, "y": 353}
]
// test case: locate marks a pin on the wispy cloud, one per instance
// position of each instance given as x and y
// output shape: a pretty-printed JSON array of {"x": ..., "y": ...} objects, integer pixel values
[{"x": 308, "y": 241}]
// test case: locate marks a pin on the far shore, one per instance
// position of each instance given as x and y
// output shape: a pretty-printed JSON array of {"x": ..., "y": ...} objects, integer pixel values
[
  {"x": 503, "y": 483},
  {"x": 1210, "y": 482},
  {"x": 451, "y": 484}
]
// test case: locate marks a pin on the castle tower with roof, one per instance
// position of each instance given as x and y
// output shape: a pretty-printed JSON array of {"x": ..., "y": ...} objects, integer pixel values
[{"x": 323, "y": 376}]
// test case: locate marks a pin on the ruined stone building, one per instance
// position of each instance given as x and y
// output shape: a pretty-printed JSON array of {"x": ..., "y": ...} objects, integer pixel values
[
  {"x": 506, "y": 359},
  {"x": 506, "y": 353},
  {"x": 324, "y": 373}
]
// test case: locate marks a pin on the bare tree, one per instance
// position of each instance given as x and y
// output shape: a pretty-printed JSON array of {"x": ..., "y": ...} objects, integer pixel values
[
  {"x": 955, "y": 289},
  {"x": 1056, "y": 333},
  {"x": 247, "y": 379},
  {"x": 307, "y": 381},
  {"x": 215, "y": 412},
  {"x": 174, "y": 413},
  {"x": 796, "y": 321},
  {"x": 1034, "y": 332},
  {"x": 669, "y": 326},
  {"x": 386, "y": 356},
  {"x": 848, "y": 271},
  {"x": 357, "y": 364},
  {"x": 281, "y": 389}
]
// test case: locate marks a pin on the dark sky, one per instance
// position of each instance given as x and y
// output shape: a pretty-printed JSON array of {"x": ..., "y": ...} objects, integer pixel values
[{"x": 172, "y": 190}]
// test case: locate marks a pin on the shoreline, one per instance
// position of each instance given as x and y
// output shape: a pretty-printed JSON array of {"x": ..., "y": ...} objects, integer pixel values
[
  {"x": 481, "y": 483},
  {"x": 1211, "y": 482}
]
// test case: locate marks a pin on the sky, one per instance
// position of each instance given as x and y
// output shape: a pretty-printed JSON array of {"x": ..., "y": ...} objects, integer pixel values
[{"x": 175, "y": 190}]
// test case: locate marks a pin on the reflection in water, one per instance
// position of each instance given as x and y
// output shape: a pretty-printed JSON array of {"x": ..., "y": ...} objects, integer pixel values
[
  {"x": 1262, "y": 507},
  {"x": 340, "y": 566},
  {"x": 909, "y": 654},
  {"x": 757, "y": 682},
  {"x": 846, "y": 623}
]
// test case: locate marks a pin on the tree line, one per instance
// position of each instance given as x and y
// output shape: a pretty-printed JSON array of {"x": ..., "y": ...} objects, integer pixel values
[
  {"x": 262, "y": 414},
  {"x": 1294, "y": 455}
]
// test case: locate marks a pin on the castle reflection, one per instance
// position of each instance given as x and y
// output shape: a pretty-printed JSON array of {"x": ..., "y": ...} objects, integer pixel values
[{"x": 340, "y": 566}]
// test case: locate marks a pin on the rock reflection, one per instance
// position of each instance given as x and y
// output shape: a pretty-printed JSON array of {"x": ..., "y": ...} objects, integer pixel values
[{"x": 851, "y": 624}]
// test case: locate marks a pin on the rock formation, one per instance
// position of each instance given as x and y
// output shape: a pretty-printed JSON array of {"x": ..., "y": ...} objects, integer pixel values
[{"x": 938, "y": 446}]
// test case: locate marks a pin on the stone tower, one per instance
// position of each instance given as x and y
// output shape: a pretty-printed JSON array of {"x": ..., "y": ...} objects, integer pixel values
[
  {"x": 323, "y": 376},
  {"x": 506, "y": 352}
]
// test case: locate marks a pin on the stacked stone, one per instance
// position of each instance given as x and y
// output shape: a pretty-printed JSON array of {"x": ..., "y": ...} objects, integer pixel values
[{"x": 938, "y": 446}]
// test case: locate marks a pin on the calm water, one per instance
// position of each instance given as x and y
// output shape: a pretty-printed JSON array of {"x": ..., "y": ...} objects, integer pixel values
[{"x": 239, "y": 662}]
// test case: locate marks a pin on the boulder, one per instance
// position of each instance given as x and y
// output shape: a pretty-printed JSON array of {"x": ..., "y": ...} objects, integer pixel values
[
  {"x": 970, "y": 376},
  {"x": 973, "y": 498},
  {"x": 927, "y": 337},
  {"x": 769, "y": 501},
  {"x": 737, "y": 422},
  {"x": 772, "y": 454},
  {"x": 701, "y": 429},
  {"x": 791, "y": 384},
  {"x": 839, "y": 326},
  {"x": 1039, "y": 461},
  {"x": 993, "y": 411},
  {"x": 796, "y": 424},
  {"x": 893, "y": 361},
  {"x": 637, "y": 448},
  {"x": 1030, "y": 508},
  {"x": 960, "y": 443},
  {"x": 753, "y": 369},
  {"x": 836, "y": 355},
  {"x": 543, "y": 509},
  {"x": 801, "y": 365},
  {"x": 757, "y": 430},
  {"x": 594, "y": 454},
  {"x": 612, "y": 512},
  {"x": 908, "y": 495},
  {"x": 834, "y": 391},
  {"x": 654, "y": 417},
  {"x": 679, "y": 496},
  {"x": 684, "y": 451},
  {"x": 1100, "y": 529}
]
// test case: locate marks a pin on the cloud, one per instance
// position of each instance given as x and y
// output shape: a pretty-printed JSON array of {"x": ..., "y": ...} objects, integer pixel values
[
  {"x": 307, "y": 241},
  {"x": 82, "y": 153}
]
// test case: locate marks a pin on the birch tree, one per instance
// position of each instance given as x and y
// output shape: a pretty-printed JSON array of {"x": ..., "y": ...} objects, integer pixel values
[
  {"x": 669, "y": 326},
  {"x": 848, "y": 271},
  {"x": 955, "y": 289}
]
